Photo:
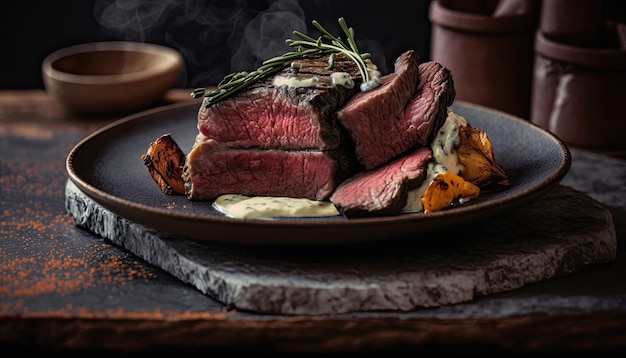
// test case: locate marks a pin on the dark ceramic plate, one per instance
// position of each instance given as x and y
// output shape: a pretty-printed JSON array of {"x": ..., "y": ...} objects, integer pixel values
[{"x": 107, "y": 166}]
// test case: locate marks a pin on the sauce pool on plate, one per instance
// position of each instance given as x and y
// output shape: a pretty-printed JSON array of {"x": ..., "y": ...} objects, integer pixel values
[{"x": 242, "y": 206}]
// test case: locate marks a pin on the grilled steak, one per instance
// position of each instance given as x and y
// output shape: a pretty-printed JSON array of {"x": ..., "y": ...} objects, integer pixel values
[
  {"x": 276, "y": 140},
  {"x": 383, "y": 190},
  {"x": 213, "y": 169},
  {"x": 383, "y": 128},
  {"x": 428, "y": 110},
  {"x": 375, "y": 118},
  {"x": 267, "y": 115}
]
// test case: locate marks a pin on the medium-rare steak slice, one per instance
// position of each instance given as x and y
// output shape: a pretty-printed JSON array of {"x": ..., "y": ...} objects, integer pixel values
[
  {"x": 383, "y": 190},
  {"x": 295, "y": 109},
  {"x": 374, "y": 118},
  {"x": 386, "y": 135},
  {"x": 428, "y": 110},
  {"x": 213, "y": 169}
]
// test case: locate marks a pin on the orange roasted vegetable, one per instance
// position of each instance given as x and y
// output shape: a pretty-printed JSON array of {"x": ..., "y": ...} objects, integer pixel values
[{"x": 444, "y": 189}]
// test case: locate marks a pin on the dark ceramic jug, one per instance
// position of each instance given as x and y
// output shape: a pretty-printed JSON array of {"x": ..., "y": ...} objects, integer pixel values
[{"x": 488, "y": 47}]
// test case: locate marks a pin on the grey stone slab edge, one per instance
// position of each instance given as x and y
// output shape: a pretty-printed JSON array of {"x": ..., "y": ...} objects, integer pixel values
[{"x": 563, "y": 232}]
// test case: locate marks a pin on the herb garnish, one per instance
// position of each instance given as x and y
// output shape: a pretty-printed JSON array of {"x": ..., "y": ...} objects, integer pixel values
[{"x": 306, "y": 47}]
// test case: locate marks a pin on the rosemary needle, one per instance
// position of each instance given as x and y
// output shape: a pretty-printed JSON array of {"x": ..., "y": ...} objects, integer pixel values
[{"x": 305, "y": 47}]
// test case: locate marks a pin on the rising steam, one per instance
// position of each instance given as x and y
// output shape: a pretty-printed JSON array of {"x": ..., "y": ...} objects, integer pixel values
[
  {"x": 215, "y": 37},
  {"x": 219, "y": 37}
]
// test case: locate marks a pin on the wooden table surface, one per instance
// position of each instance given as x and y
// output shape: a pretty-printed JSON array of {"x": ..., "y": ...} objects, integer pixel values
[{"x": 63, "y": 288}]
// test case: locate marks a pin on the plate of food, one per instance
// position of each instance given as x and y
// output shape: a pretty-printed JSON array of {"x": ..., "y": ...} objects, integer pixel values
[{"x": 317, "y": 147}]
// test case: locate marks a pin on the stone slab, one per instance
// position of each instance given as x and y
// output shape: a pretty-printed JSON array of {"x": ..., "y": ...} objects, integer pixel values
[{"x": 563, "y": 232}]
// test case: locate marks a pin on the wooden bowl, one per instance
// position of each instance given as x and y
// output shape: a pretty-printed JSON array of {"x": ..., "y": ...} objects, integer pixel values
[{"x": 111, "y": 77}]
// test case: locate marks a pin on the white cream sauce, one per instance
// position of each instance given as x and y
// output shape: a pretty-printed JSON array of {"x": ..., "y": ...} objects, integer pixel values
[
  {"x": 241, "y": 206},
  {"x": 337, "y": 78},
  {"x": 342, "y": 79},
  {"x": 445, "y": 159},
  {"x": 295, "y": 81}
]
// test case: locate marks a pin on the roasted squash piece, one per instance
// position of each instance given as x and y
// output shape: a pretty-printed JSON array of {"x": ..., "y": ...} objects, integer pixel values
[
  {"x": 165, "y": 161},
  {"x": 475, "y": 152},
  {"x": 444, "y": 189}
]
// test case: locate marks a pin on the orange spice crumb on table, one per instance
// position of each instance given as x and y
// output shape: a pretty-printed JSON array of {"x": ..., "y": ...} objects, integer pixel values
[{"x": 57, "y": 273}]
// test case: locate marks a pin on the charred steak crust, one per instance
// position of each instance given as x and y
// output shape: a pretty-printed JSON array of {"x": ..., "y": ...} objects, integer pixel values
[
  {"x": 375, "y": 119},
  {"x": 283, "y": 117},
  {"x": 383, "y": 190}
]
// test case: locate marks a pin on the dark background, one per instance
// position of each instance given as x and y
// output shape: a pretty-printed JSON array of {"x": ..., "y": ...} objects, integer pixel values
[
  {"x": 212, "y": 35},
  {"x": 216, "y": 37}
]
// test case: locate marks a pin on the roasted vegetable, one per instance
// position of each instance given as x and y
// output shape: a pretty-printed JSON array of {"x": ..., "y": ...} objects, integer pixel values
[
  {"x": 444, "y": 189},
  {"x": 165, "y": 161},
  {"x": 475, "y": 152}
]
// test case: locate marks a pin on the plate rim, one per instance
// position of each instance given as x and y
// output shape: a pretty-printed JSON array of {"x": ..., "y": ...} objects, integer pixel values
[{"x": 136, "y": 212}]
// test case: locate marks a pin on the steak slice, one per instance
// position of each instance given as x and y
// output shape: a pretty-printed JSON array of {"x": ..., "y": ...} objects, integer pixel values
[
  {"x": 385, "y": 135},
  {"x": 213, "y": 169},
  {"x": 427, "y": 111},
  {"x": 268, "y": 115},
  {"x": 375, "y": 118},
  {"x": 383, "y": 190}
]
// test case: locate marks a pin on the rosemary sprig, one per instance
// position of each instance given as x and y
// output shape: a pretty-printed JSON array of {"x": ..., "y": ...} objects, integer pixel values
[{"x": 307, "y": 46}]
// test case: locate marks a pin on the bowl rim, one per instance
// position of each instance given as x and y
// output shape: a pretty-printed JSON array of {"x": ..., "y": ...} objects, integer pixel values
[
  {"x": 441, "y": 15},
  {"x": 613, "y": 59},
  {"x": 172, "y": 62}
]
